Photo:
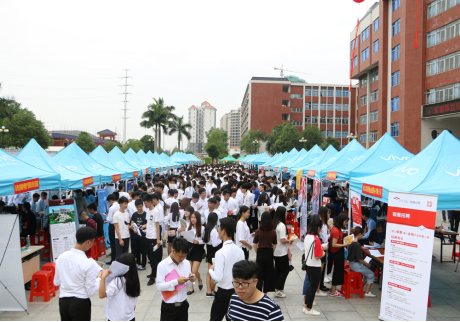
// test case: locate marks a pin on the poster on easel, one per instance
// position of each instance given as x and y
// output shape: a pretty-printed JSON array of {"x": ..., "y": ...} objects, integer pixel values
[
  {"x": 62, "y": 226},
  {"x": 315, "y": 199},
  {"x": 408, "y": 255},
  {"x": 356, "y": 212},
  {"x": 303, "y": 206}
]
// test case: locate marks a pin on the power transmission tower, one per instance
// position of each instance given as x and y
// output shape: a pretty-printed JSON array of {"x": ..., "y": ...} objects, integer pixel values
[{"x": 125, "y": 109}]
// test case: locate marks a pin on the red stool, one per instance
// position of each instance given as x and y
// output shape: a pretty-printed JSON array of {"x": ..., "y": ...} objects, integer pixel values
[
  {"x": 100, "y": 242},
  {"x": 289, "y": 218},
  {"x": 23, "y": 242},
  {"x": 353, "y": 283},
  {"x": 41, "y": 234},
  {"x": 92, "y": 253},
  {"x": 429, "y": 300},
  {"x": 45, "y": 285},
  {"x": 34, "y": 240},
  {"x": 347, "y": 265},
  {"x": 51, "y": 267},
  {"x": 454, "y": 250},
  {"x": 46, "y": 252}
]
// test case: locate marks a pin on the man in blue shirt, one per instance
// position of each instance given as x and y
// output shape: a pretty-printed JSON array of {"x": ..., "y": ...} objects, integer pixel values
[
  {"x": 371, "y": 225},
  {"x": 33, "y": 207},
  {"x": 41, "y": 209}
]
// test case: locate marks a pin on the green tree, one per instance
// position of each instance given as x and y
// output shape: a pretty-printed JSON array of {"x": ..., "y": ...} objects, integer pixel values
[
  {"x": 330, "y": 141},
  {"x": 8, "y": 108},
  {"x": 179, "y": 126},
  {"x": 85, "y": 142},
  {"x": 157, "y": 117},
  {"x": 247, "y": 140},
  {"x": 188, "y": 152},
  {"x": 288, "y": 139},
  {"x": 149, "y": 145},
  {"x": 207, "y": 160},
  {"x": 109, "y": 146},
  {"x": 313, "y": 135},
  {"x": 136, "y": 145},
  {"x": 271, "y": 139},
  {"x": 219, "y": 138},
  {"x": 213, "y": 151},
  {"x": 236, "y": 155}
]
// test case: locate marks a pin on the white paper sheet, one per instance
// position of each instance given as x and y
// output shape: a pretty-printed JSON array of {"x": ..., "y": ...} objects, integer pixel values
[
  {"x": 138, "y": 231},
  {"x": 301, "y": 246},
  {"x": 189, "y": 235},
  {"x": 117, "y": 269},
  {"x": 250, "y": 240},
  {"x": 367, "y": 259},
  {"x": 375, "y": 253}
]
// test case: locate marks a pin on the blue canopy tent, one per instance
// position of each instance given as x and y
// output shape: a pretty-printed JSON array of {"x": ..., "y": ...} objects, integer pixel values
[
  {"x": 290, "y": 159},
  {"x": 118, "y": 157},
  {"x": 272, "y": 160},
  {"x": 327, "y": 154},
  {"x": 101, "y": 156},
  {"x": 155, "y": 157},
  {"x": 306, "y": 159},
  {"x": 168, "y": 160},
  {"x": 34, "y": 154},
  {"x": 179, "y": 158},
  {"x": 143, "y": 157},
  {"x": 259, "y": 159},
  {"x": 383, "y": 155},
  {"x": 16, "y": 176},
  {"x": 435, "y": 170},
  {"x": 75, "y": 159},
  {"x": 131, "y": 156}
]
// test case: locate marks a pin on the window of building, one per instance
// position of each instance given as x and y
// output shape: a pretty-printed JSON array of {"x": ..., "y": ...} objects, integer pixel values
[
  {"x": 395, "y": 129},
  {"x": 345, "y": 93},
  {"x": 295, "y": 123},
  {"x": 365, "y": 34},
  {"x": 443, "y": 64},
  {"x": 329, "y": 133},
  {"x": 374, "y": 96},
  {"x": 338, "y": 93},
  {"x": 307, "y": 106},
  {"x": 323, "y": 106},
  {"x": 439, "y": 6},
  {"x": 355, "y": 61},
  {"x": 376, "y": 24},
  {"x": 345, "y": 107},
  {"x": 295, "y": 96},
  {"x": 322, "y": 120},
  {"x": 442, "y": 94},
  {"x": 373, "y": 136},
  {"x": 330, "y": 107},
  {"x": 375, "y": 46},
  {"x": 363, "y": 119},
  {"x": 285, "y": 102},
  {"x": 395, "y": 4},
  {"x": 307, "y": 91},
  {"x": 296, "y": 110},
  {"x": 443, "y": 33},
  {"x": 395, "y": 79},
  {"x": 338, "y": 120},
  {"x": 363, "y": 81},
  {"x": 307, "y": 119},
  {"x": 395, "y": 104},
  {"x": 374, "y": 116},
  {"x": 395, "y": 53},
  {"x": 323, "y": 92},
  {"x": 352, "y": 45},
  {"x": 286, "y": 88},
  {"x": 285, "y": 117},
  {"x": 374, "y": 76},
  {"x": 365, "y": 54},
  {"x": 315, "y": 92},
  {"x": 396, "y": 27},
  {"x": 338, "y": 107},
  {"x": 362, "y": 138},
  {"x": 344, "y": 120},
  {"x": 363, "y": 100},
  {"x": 330, "y": 92},
  {"x": 314, "y": 119},
  {"x": 330, "y": 120},
  {"x": 338, "y": 134},
  {"x": 314, "y": 106},
  {"x": 324, "y": 133}
]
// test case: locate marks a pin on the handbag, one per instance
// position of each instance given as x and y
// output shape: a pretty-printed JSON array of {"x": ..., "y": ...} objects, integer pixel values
[
  {"x": 171, "y": 232},
  {"x": 304, "y": 258}
]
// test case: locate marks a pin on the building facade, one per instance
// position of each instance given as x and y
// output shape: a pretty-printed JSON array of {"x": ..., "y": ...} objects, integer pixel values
[
  {"x": 66, "y": 137},
  {"x": 269, "y": 101},
  {"x": 408, "y": 73},
  {"x": 202, "y": 119},
  {"x": 230, "y": 122}
]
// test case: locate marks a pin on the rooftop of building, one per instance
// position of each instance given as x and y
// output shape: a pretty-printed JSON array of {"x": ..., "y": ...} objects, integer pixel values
[
  {"x": 271, "y": 79},
  {"x": 107, "y": 131}
]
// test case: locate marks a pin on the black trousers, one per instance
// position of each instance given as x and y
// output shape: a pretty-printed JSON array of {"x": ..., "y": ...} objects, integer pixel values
[
  {"x": 323, "y": 273},
  {"x": 139, "y": 249},
  {"x": 338, "y": 258},
  {"x": 113, "y": 248},
  {"x": 264, "y": 259},
  {"x": 154, "y": 257},
  {"x": 246, "y": 253},
  {"x": 74, "y": 309},
  {"x": 281, "y": 271},
  {"x": 314, "y": 274},
  {"x": 220, "y": 304},
  {"x": 171, "y": 312},
  {"x": 454, "y": 220}
]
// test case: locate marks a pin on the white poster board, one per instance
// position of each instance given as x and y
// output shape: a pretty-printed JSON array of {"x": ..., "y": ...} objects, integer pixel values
[
  {"x": 62, "y": 226},
  {"x": 12, "y": 292},
  {"x": 408, "y": 255}
]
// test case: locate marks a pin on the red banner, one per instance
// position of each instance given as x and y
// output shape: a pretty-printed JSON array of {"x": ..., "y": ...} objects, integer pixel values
[
  {"x": 331, "y": 175},
  {"x": 164, "y": 168},
  {"x": 326, "y": 200},
  {"x": 311, "y": 173},
  {"x": 356, "y": 212},
  {"x": 88, "y": 181},
  {"x": 371, "y": 190},
  {"x": 303, "y": 188},
  {"x": 135, "y": 173},
  {"x": 262, "y": 171},
  {"x": 157, "y": 170},
  {"x": 276, "y": 169},
  {"x": 147, "y": 170},
  {"x": 27, "y": 185},
  {"x": 116, "y": 177},
  {"x": 411, "y": 217},
  {"x": 285, "y": 169}
]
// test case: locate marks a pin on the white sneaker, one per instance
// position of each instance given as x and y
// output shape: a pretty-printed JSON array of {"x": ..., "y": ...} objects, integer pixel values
[
  {"x": 369, "y": 295},
  {"x": 280, "y": 294},
  {"x": 321, "y": 294},
  {"x": 327, "y": 280},
  {"x": 314, "y": 303},
  {"x": 311, "y": 312}
]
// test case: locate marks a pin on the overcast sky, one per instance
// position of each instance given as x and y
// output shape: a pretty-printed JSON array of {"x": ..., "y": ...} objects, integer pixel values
[{"x": 63, "y": 60}]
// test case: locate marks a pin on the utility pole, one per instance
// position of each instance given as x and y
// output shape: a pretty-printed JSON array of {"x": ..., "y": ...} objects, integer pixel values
[{"x": 125, "y": 109}]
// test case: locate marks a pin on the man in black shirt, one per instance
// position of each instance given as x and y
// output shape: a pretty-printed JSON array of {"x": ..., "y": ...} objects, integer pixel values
[
  {"x": 97, "y": 217},
  {"x": 139, "y": 243}
]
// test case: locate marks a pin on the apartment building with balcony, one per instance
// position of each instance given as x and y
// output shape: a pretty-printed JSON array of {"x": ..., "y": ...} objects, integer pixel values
[
  {"x": 230, "y": 122},
  {"x": 202, "y": 119}
]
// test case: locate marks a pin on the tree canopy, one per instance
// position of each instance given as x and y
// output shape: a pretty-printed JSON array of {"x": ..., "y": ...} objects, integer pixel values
[
  {"x": 271, "y": 139},
  {"x": 219, "y": 138},
  {"x": 331, "y": 141},
  {"x": 148, "y": 145},
  {"x": 85, "y": 142},
  {"x": 177, "y": 125},
  {"x": 313, "y": 135},
  {"x": 287, "y": 139},
  {"x": 136, "y": 145},
  {"x": 212, "y": 151},
  {"x": 109, "y": 146},
  {"x": 246, "y": 142}
]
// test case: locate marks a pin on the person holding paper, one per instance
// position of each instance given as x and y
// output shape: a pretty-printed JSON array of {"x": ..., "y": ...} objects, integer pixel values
[
  {"x": 242, "y": 231},
  {"x": 175, "y": 307},
  {"x": 121, "y": 224},
  {"x": 196, "y": 254},
  {"x": 122, "y": 292},
  {"x": 173, "y": 221},
  {"x": 357, "y": 263},
  {"x": 153, "y": 235},
  {"x": 337, "y": 254},
  {"x": 77, "y": 279},
  {"x": 213, "y": 244},
  {"x": 139, "y": 243}
]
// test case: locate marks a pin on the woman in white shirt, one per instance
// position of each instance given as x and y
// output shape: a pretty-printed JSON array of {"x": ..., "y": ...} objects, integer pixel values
[
  {"x": 324, "y": 214},
  {"x": 281, "y": 251},
  {"x": 188, "y": 190},
  {"x": 242, "y": 231},
  {"x": 180, "y": 191},
  {"x": 195, "y": 256},
  {"x": 122, "y": 292},
  {"x": 173, "y": 221},
  {"x": 262, "y": 205},
  {"x": 273, "y": 194},
  {"x": 213, "y": 244}
]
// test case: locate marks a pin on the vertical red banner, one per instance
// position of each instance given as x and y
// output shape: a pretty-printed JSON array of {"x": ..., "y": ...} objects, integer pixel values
[{"x": 356, "y": 209}]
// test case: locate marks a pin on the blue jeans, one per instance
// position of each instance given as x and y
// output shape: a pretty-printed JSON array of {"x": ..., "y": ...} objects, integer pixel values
[
  {"x": 444, "y": 214},
  {"x": 358, "y": 267},
  {"x": 306, "y": 285}
]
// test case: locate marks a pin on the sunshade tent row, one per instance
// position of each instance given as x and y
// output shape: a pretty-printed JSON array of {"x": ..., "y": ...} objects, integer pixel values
[
  {"x": 386, "y": 165},
  {"x": 72, "y": 168}
]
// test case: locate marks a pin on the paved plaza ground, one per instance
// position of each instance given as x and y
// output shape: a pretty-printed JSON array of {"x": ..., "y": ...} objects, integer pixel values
[{"x": 444, "y": 290}]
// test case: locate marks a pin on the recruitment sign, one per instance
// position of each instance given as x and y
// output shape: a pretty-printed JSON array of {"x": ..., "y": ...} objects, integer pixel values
[{"x": 408, "y": 255}]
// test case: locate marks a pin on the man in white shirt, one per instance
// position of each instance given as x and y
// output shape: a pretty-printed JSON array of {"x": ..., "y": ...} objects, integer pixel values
[
  {"x": 170, "y": 201},
  {"x": 78, "y": 278},
  {"x": 121, "y": 224},
  {"x": 132, "y": 205},
  {"x": 152, "y": 234},
  {"x": 210, "y": 186},
  {"x": 202, "y": 203},
  {"x": 221, "y": 271},
  {"x": 194, "y": 202},
  {"x": 240, "y": 194},
  {"x": 212, "y": 207},
  {"x": 114, "y": 206},
  {"x": 176, "y": 307},
  {"x": 121, "y": 191}
]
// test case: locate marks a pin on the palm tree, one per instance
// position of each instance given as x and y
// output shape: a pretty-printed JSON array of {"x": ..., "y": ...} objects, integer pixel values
[
  {"x": 178, "y": 126},
  {"x": 156, "y": 116}
]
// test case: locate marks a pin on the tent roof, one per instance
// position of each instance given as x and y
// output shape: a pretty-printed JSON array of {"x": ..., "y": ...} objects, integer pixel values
[
  {"x": 305, "y": 159},
  {"x": 100, "y": 155},
  {"x": 318, "y": 158},
  {"x": 119, "y": 158}
]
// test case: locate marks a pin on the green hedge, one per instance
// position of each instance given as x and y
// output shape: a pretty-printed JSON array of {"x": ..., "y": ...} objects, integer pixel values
[{"x": 207, "y": 160}]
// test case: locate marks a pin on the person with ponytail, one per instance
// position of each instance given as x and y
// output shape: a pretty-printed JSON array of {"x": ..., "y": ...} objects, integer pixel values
[
  {"x": 195, "y": 256},
  {"x": 281, "y": 251},
  {"x": 174, "y": 223},
  {"x": 213, "y": 244},
  {"x": 242, "y": 231}
]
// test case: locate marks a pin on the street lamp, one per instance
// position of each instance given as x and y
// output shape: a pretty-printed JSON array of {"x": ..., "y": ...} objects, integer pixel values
[
  {"x": 3, "y": 130},
  {"x": 152, "y": 142},
  {"x": 302, "y": 141},
  {"x": 256, "y": 145},
  {"x": 351, "y": 137}
]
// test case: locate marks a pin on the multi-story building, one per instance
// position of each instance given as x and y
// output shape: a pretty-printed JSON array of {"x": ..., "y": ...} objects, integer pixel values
[
  {"x": 230, "y": 122},
  {"x": 202, "y": 119},
  {"x": 408, "y": 73},
  {"x": 269, "y": 101}
]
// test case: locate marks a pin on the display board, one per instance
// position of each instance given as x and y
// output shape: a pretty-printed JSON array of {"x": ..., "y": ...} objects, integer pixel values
[
  {"x": 103, "y": 204},
  {"x": 62, "y": 226},
  {"x": 356, "y": 209},
  {"x": 408, "y": 254},
  {"x": 12, "y": 292},
  {"x": 315, "y": 199},
  {"x": 302, "y": 204}
]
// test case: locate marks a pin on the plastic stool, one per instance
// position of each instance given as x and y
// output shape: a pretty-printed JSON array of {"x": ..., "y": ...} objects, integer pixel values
[
  {"x": 44, "y": 253},
  {"x": 51, "y": 267},
  {"x": 353, "y": 283},
  {"x": 34, "y": 240},
  {"x": 289, "y": 219},
  {"x": 44, "y": 234},
  {"x": 45, "y": 285},
  {"x": 100, "y": 242},
  {"x": 454, "y": 249},
  {"x": 346, "y": 265},
  {"x": 92, "y": 252}
]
